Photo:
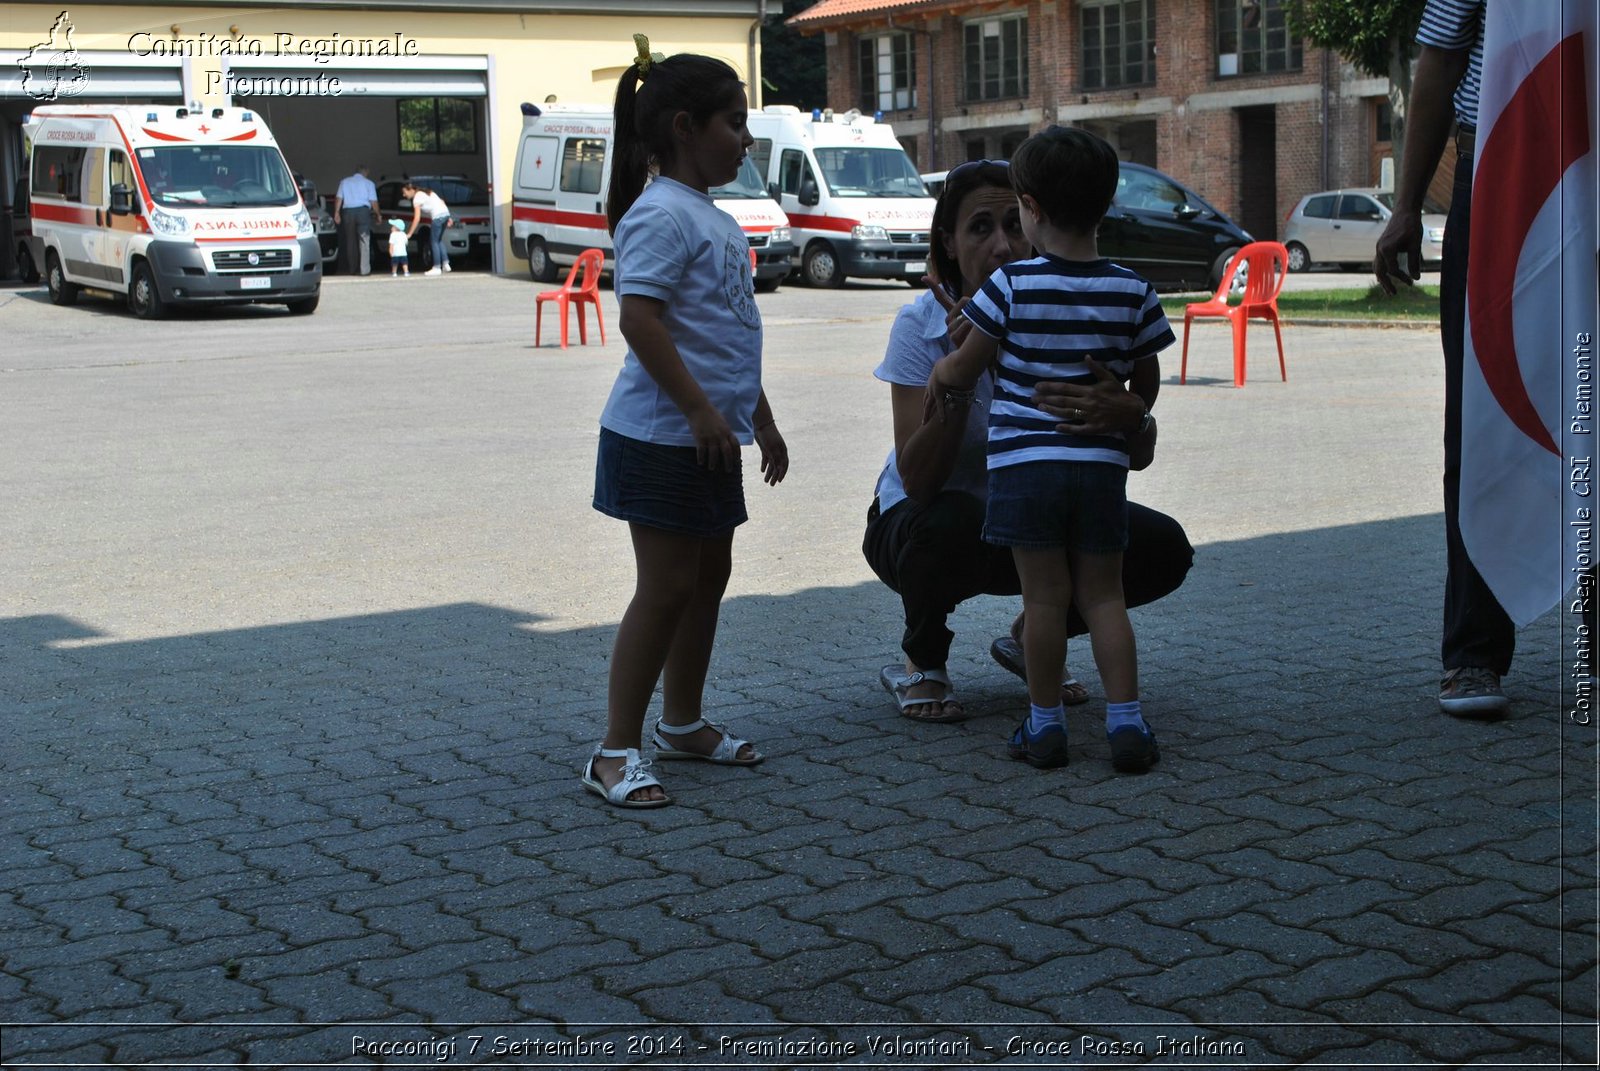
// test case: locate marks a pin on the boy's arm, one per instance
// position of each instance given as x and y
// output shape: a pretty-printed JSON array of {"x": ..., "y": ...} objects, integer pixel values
[
  {"x": 1145, "y": 382},
  {"x": 959, "y": 371}
]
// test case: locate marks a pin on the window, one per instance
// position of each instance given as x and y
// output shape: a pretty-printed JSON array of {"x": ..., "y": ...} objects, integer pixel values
[
  {"x": 438, "y": 124},
  {"x": 58, "y": 172},
  {"x": 1355, "y": 206},
  {"x": 888, "y": 72},
  {"x": 1253, "y": 37},
  {"x": 1119, "y": 43},
  {"x": 996, "y": 59},
  {"x": 795, "y": 172},
  {"x": 1151, "y": 193},
  {"x": 582, "y": 161},
  {"x": 1319, "y": 207},
  {"x": 761, "y": 153}
]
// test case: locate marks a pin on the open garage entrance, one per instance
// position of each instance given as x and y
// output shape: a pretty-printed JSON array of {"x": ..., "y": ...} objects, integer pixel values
[{"x": 423, "y": 117}]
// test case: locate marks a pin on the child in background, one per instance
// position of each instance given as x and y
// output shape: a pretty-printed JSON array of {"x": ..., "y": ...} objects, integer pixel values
[
  {"x": 1060, "y": 500},
  {"x": 689, "y": 394},
  {"x": 399, "y": 261}
]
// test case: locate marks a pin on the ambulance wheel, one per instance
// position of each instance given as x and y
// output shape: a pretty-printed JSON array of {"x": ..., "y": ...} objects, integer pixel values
[
  {"x": 540, "y": 266},
  {"x": 27, "y": 270},
  {"x": 821, "y": 267},
  {"x": 303, "y": 307},
  {"x": 61, "y": 291},
  {"x": 144, "y": 300}
]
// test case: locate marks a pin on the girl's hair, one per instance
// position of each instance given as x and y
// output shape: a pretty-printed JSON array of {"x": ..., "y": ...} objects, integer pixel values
[
  {"x": 408, "y": 185},
  {"x": 960, "y": 181},
  {"x": 646, "y": 103}
]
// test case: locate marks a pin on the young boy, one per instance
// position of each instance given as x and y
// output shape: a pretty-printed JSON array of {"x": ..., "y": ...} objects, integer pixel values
[
  {"x": 399, "y": 259},
  {"x": 1059, "y": 500}
]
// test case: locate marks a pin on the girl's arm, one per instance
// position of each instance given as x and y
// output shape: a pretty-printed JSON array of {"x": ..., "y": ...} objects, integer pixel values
[
  {"x": 641, "y": 324},
  {"x": 774, "y": 451}
]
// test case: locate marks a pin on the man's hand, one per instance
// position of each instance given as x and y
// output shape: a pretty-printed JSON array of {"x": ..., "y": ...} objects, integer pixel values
[{"x": 1398, "y": 258}]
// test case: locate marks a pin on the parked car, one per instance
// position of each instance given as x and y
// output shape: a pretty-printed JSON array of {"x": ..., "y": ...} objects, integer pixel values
[
  {"x": 1342, "y": 227},
  {"x": 469, "y": 205},
  {"x": 321, "y": 221},
  {"x": 1159, "y": 228}
]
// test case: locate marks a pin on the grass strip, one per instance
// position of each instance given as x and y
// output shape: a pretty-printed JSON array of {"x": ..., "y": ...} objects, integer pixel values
[{"x": 1419, "y": 303}]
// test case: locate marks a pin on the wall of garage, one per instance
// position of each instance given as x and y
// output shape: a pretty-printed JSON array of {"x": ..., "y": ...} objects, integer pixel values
[{"x": 514, "y": 56}]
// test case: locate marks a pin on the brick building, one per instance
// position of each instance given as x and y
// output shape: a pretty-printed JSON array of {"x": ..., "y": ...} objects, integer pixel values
[{"x": 1214, "y": 92}]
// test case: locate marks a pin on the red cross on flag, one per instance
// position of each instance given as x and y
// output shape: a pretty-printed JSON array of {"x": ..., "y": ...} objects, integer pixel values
[{"x": 1527, "y": 407}]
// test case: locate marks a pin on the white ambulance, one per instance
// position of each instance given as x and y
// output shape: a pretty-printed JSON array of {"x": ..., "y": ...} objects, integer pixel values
[
  {"x": 853, "y": 197},
  {"x": 558, "y": 204},
  {"x": 169, "y": 206}
]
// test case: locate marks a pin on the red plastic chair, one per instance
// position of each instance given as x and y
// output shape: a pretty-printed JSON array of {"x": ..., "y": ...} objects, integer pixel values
[
  {"x": 1267, "y": 263},
  {"x": 582, "y": 287}
]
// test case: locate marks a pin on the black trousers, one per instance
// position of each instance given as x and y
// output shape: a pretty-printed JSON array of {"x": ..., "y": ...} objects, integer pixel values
[
  {"x": 355, "y": 240},
  {"x": 934, "y": 556},
  {"x": 1477, "y": 631}
]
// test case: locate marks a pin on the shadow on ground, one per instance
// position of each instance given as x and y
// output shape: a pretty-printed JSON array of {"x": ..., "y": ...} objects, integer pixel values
[{"x": 377, "y": 820}]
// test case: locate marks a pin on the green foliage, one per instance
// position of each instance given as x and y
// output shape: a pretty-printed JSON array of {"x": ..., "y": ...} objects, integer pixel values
[
  {"x": 794, "y": 68},
  {"x": 1365, "y": 32}
]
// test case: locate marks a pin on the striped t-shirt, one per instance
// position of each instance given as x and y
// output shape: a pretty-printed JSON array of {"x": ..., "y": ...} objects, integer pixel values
[
  {"x": 1458, "y": 24},
  {"x": 1048, "y": 314}
]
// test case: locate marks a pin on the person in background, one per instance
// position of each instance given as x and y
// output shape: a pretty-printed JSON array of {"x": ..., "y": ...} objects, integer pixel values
[
  {"x": 355, "y": 207},
  {"x": 424, "y": 202},
  {"x": 399, "y": 258}
]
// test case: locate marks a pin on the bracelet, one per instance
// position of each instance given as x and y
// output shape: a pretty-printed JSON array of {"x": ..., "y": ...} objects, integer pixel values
[{"x": 958, "y": 397}]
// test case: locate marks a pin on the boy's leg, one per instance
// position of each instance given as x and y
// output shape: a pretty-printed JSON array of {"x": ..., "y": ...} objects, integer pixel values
[
  {"x": 666, "y": 567},
  {"x": 1099, "y": 600},
  {"x": 689, "y": 658},
  {"x": 1046, "y": 596}
]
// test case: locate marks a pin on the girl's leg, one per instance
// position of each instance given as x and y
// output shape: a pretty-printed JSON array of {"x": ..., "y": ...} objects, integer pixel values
[
  {"x": 667, "y": 567},
  {"x": 1099, "y": 600},
  {"x": 1046, "y": 596},
  {"x": 689, "y": 658}
]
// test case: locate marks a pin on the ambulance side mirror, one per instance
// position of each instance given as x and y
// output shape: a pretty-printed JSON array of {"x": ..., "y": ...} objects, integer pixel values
[
  {"x": 121, "y": 200},
  {"x": 809, "y": 194},
  {"x": 773, "y": 191}
]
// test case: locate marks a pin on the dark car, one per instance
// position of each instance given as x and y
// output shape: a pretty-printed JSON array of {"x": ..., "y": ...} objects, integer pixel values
[
  {"x": 469, "y": 208},
  {"x": 1166, "y": 232}
]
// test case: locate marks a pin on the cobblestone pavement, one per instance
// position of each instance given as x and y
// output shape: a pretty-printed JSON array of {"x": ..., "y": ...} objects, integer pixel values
[{"x": 304, "y": 626}]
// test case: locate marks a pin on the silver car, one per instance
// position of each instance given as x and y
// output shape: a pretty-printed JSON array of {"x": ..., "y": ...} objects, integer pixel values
[{"x": 1342, "y": 227}]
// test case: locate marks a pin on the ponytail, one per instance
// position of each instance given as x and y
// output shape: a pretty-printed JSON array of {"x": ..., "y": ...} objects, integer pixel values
[{"x": 646, "y": 103}]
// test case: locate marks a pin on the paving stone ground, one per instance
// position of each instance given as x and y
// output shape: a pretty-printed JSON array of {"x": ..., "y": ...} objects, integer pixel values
[{"x": 304, "y": 626}]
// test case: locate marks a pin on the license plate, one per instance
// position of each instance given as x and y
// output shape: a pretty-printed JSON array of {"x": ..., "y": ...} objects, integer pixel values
[
  {"x": 255, "y": 282},
  {"x": 916, "y": 267}
]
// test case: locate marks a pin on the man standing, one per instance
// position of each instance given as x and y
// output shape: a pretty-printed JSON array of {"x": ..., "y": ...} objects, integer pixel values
[
  {"x": 355, "y": 206},
  {"x": 1478, "y": 634}
]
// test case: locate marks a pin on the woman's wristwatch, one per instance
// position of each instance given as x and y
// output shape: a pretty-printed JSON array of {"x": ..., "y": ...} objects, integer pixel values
[{"x": 1145, "y": 422}]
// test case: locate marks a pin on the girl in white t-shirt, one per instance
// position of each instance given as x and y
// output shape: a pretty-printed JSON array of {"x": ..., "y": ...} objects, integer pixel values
[
  {"x": 424, "y": 202},
  {"x": 689, "y": 394}
]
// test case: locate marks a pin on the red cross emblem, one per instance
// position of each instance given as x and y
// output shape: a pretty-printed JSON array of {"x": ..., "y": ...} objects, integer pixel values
[{"x": 204, "y": 129}]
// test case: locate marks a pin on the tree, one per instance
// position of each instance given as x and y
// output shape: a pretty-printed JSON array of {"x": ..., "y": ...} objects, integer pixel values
[
  {"x": 1375, "y": 36},
  {"x": 794, "y": 68}
]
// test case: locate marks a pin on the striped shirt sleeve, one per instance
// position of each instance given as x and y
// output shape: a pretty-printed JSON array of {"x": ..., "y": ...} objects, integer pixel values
[
  {"x": 990, "y": 308},
  {"x": 1457, "y": 25},
  {"x": 1153, "y": 334}
]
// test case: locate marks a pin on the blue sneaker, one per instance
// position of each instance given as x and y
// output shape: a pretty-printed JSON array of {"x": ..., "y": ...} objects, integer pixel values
[
  {"x": 1133, "y": 750},
  {"x": 1047, "y": 749}
]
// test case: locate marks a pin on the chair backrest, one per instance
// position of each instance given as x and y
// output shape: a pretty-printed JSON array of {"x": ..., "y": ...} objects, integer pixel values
[
  {"x": 1268, "y": 265},
  {"x": 585, "y": 275}
]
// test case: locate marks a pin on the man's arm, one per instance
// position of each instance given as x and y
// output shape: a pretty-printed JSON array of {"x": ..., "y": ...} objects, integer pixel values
[{"x": 1439, "y": 71}]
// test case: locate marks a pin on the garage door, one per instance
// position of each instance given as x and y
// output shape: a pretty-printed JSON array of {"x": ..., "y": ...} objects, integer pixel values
[
  {"x": 94, "y": 76},
  {"x": 412, "y": 76}
]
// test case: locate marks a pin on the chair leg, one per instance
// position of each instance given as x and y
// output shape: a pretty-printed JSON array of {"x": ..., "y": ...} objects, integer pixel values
[
  {"x": 562, "y": 303},
  {"x": 583, "y": 330},
  {"x": 1240, "y": 323},
  {"x": 538, "y": 321},
  {"x": 600, "y": 323},
  {"x": 1183, "y": 367},
  {"x": 1283, "y": 368}
]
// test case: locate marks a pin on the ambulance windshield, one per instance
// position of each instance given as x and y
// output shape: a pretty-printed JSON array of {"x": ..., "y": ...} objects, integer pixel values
[
  {"x": 855, "y": 171},
  {"x": 217, "y": 176},
  {"x": 746, "y": 185}
]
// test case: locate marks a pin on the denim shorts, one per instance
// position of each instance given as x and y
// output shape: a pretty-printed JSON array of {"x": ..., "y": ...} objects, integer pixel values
[
  {"x": 664, "y": 487},
  {"x": 1079, "y": 505}
]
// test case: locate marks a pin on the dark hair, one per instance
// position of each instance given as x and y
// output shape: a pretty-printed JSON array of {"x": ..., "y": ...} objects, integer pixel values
[
  {"x": 958, "y": 182},
  {"x": 1070, "y": 172},
  {"x": 645, "y": 105}
]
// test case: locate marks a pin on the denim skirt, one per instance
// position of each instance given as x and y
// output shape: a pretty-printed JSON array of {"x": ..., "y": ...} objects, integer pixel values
[
  {"x": 1079, "y": 505},
  {"x": 664, "y": 487}
]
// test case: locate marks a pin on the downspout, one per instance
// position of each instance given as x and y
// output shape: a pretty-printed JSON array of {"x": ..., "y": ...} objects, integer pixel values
[
  {"x": 933, "y": 109},
  {"x": 757, "y": 93},
  {"x": 1327, "y": 122}
]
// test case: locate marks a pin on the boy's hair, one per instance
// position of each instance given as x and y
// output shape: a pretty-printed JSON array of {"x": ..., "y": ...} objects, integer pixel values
[
  {"x": 958, "y": 182},
  {"x": 1070, "y": 172},
  {"x": 646, "y": 103}
]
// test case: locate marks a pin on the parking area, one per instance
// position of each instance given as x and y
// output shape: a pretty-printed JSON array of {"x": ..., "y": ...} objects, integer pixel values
[{"x": 306, "y": 621}]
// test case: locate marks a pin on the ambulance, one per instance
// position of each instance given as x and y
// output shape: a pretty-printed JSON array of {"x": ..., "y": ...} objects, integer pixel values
[
  {"x": 559, "y": 197},
  {"x": 856, "y": 204},
  {"x": 168, "y": 206}
]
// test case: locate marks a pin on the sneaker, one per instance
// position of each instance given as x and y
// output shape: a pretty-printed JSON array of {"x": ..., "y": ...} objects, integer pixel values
[
  {"x": 447, "y": 265},
  {"x": 1472, "y": 692},
  {"x": 433, "y": 271},
  {"x": 1046, "y": 750},
  {"x": 1133, "y": 750}
]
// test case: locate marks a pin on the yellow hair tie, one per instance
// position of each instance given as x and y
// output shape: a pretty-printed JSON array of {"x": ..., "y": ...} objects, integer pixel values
[{"x": 645, "y": 57}]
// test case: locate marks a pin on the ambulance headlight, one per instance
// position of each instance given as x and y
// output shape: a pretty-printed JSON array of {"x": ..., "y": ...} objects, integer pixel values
[
  {"x": 779, "y": 235},
  {"x": 302, "y": 222},
  {"x": 168, "y": 223},
  {"x": 866, "y": 232}
]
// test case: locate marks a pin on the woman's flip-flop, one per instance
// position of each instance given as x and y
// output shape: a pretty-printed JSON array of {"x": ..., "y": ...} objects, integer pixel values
[
  {"x": 944, "y": 710},
  {"x": 726, "y": 753},
  {"x": 1007, "y": 652}
]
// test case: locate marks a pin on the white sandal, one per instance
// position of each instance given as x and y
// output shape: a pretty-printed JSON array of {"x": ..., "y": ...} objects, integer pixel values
[
  {"x": 898, "y": 683},
  {"x": 635, "y": 776},
  {"x": 726, "y": 753}
]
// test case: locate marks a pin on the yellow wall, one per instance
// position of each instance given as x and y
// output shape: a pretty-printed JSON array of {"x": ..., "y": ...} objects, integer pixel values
[{"x": 575, "y": 57}]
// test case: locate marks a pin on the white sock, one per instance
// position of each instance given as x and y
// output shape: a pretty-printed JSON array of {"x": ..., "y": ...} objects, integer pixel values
[
  {"x": 1119, "y": 715},
  {"x": 1041, "y": 718}
]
